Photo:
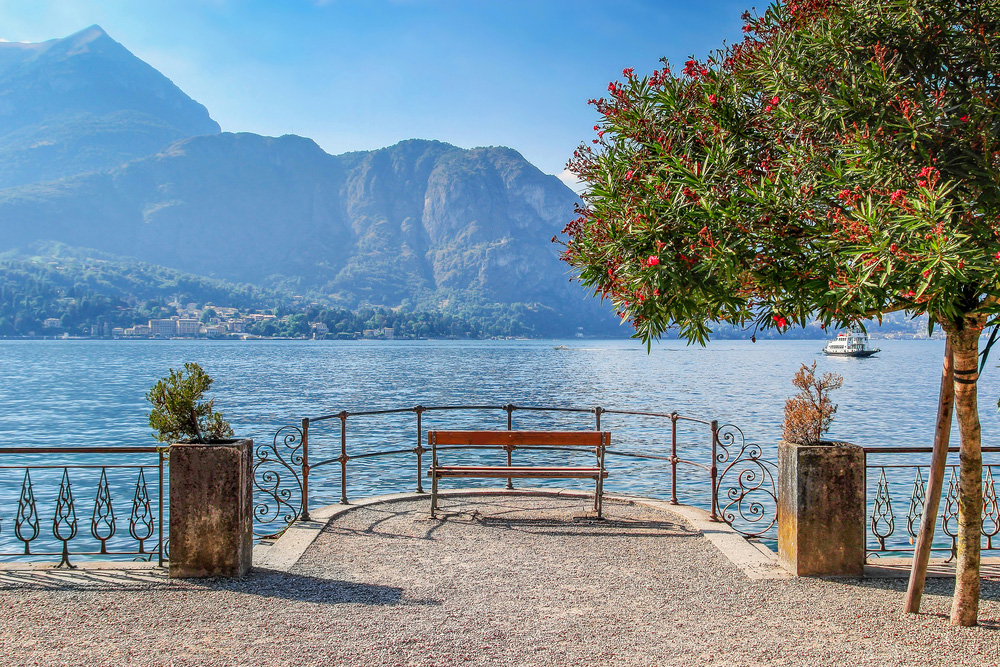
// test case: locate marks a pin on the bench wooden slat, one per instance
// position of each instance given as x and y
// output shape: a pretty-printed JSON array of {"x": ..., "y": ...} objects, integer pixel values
[
  {"x": 521, "y": 472},
  {"x": 501, "y": 438}
]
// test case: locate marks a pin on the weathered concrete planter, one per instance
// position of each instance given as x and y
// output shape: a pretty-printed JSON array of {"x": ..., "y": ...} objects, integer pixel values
[
  {"x": 821, "y": 508},
  {"x": 211, "y": 509}
]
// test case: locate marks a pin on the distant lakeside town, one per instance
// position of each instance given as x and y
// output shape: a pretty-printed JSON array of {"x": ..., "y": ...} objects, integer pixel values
[{"x": 219, "y": 322}]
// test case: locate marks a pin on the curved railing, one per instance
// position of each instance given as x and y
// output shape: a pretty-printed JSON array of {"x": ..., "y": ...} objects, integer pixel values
[{"x": 739, "y": 490}]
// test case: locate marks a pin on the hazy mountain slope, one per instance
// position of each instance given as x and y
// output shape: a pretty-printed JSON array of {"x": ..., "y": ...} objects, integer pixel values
[
  {"x": 99, "y": 150},
  {"x": 85, "y": 103},
  {"x": 419, "y": 223}
]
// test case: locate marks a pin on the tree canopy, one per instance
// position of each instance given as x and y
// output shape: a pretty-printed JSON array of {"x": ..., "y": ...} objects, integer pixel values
[{"x": 841, "y": 162}]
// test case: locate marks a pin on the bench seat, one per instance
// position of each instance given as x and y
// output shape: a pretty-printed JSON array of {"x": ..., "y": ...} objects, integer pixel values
[{"x": 595, "y": 442}]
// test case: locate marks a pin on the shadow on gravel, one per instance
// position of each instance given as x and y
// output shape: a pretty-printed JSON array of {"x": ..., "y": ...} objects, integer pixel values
[
  {"x": 301, "y": 588},
  {"x": 944, "y": 587},
  {"x": 587, "y": 528},
  {"x": 50, "y": 579},
  {"x": 265, "y": 583}
]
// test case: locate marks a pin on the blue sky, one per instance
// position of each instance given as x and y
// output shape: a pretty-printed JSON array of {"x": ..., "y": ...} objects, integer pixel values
[{"x": 362, "y": 74}]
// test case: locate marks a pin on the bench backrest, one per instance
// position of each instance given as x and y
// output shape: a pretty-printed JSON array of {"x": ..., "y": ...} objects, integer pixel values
[{"x": 520, "y": 438}]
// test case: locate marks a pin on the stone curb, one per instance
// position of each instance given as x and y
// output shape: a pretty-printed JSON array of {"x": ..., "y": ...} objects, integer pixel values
[{"x": 755, "y": 561}]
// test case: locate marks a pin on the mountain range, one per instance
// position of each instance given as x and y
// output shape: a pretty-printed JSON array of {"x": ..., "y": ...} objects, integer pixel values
[{"x": 99, "y": 150}]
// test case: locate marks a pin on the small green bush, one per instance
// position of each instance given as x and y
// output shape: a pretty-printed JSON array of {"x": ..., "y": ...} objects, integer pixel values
[{"x": 179, "y": 415}]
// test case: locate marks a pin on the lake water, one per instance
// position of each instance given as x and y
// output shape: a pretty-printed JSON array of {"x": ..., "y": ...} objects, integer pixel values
[{"x": 91, "y": 393}]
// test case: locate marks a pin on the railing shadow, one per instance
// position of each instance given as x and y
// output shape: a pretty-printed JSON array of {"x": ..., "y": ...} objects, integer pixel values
[{"x": 937, "y": 586}]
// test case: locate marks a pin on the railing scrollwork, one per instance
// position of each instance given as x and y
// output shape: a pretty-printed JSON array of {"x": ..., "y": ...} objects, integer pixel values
[
  {"x": 745, "y": 489},
  {"x": 276, "y": 478}
]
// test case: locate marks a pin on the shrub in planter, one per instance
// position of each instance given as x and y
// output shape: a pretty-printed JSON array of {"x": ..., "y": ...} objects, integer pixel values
[
  {"x": 821, "y": 485},
  {"x": 179, "y": 415},
  {"x": 809, "y": 413},
  {"x": 211, "y": 522}
]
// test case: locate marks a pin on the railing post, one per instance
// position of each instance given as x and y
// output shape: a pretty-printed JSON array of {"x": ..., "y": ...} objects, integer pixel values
[
  {"x": 420, "y": 448},
  {"x": 159, "y": 453},
  {"x": 597, "y": 412},
  {"x": 343, "y": 457},
  {"x": 305, "y": 470},
  {"x": 715, "y": 470},
  {"x": 510, "y": 426},
  {"x": 673, "y": 458}
]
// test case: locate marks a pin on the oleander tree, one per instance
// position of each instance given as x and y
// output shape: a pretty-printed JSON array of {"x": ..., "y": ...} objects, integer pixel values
[{"x": 840, "y": 163}]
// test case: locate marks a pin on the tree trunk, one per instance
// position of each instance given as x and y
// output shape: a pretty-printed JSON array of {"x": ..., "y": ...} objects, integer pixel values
[
  {"x": 965, "y": 346},
  {"x": 935, "y": 480}
]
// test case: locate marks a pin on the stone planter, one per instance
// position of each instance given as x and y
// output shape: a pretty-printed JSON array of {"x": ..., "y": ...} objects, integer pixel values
[
  {"x": 211, "y": 509},
  {"x": 821, "y": 508}
]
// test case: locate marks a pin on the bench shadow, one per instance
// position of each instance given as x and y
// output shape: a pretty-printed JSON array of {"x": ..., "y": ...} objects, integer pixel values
[
  {"x": 259, "y": 582},
  {"x": 586, "y": 527}
]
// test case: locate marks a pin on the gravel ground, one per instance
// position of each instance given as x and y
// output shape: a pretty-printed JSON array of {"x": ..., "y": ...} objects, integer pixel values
[{"x": 503, "y": 580}]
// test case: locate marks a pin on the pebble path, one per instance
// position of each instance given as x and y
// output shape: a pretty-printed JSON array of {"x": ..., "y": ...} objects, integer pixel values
[{"x": 501, "y": 580}]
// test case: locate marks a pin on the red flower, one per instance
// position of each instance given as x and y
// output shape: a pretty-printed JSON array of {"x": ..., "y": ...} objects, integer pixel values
[
  {"x": 780, "y": 321},
  {"x": 897, "y": 196},
  {"x": 653, "y": 260},
  {"x": 656, "y": 292},
  {"x": 964, "y": 119},
  {"x": 774, "y": 101},
  {"x": 712, "y": 100}
]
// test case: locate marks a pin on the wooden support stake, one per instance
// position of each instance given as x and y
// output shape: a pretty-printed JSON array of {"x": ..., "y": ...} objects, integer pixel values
[{"x": 939, "y": 459}]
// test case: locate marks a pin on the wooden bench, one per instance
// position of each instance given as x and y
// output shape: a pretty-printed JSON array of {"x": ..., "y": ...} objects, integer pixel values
[{"x": 508, "y": 441}]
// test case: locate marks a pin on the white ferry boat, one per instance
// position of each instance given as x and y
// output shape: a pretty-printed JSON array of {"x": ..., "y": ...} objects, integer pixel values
[{"x": 853, "y": 343}]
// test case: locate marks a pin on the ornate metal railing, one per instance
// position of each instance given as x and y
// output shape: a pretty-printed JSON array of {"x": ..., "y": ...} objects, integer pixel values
[
  {"x": 739, "y": 488},
  {"x": 44, "y": 504},
  {"x": 896, "y": 481}
]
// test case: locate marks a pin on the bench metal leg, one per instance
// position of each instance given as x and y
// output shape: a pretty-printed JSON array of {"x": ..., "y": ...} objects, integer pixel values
[
  {"x": 434, "y": 495},
  {"x": 599, "y": 498}
]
